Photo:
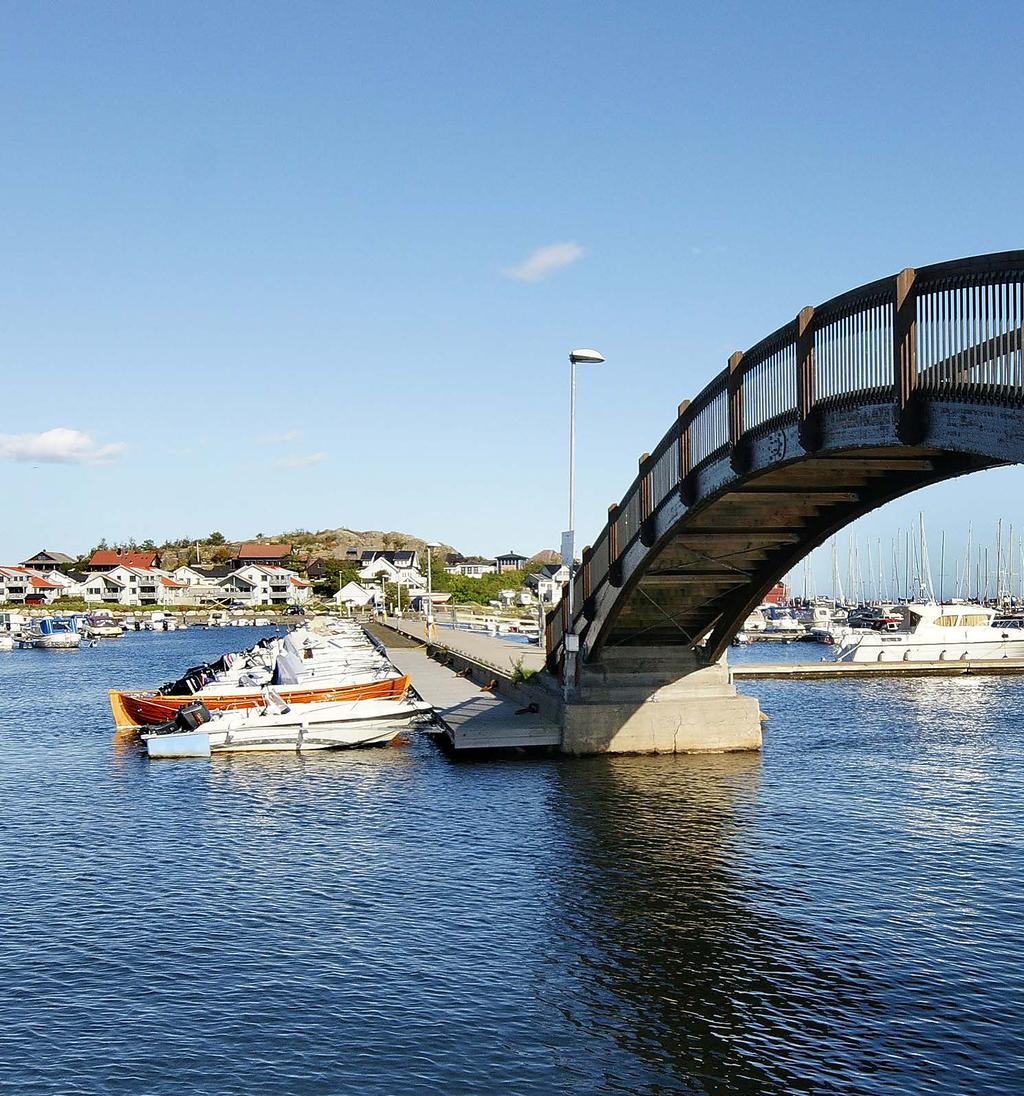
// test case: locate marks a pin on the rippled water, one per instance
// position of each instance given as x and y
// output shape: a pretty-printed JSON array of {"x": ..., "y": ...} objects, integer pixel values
[{"x": 840, "y": 914}]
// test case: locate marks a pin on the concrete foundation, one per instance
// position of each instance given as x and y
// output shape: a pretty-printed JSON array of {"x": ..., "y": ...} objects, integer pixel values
[{"x": 658, "y": 700}]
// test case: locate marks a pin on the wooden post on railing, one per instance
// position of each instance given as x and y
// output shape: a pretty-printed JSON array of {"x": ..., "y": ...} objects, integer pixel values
[
  {"x": 808, "y": 421},
  {"x": 910, "y": 425},
  {"x": 588, "y": 585},
  {"x": 614, "y": 566},
  {"x": 645, "y": 487},
  {"x": 685, "y": 458},
  {"x": 646, "y": 471},
  {"x": 735, "y": 396}
]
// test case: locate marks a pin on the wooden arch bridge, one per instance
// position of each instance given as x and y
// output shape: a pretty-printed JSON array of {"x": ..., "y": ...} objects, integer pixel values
[{"x": 901, "y": 383}]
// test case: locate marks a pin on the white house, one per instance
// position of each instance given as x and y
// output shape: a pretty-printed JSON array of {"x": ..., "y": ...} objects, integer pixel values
[
  {"x": 355, "y": 596},
  {"x": 259, "y": 584},
  {"x": 400, "y": 568},
  {"x": 134, "y": 586},
  {"x": 548, "y": 582},
  {"x": 23, "y": 586},
  {"x": 473, "y": 569}
]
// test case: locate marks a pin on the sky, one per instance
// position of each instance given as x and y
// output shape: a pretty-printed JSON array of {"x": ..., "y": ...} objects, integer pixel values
[{"x": 273, "y": 266}]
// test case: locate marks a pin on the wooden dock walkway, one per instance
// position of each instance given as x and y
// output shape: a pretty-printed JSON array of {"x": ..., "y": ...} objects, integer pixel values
[
  {"x": 473, "y": 718},
  {"x": 499, "y": 653}
]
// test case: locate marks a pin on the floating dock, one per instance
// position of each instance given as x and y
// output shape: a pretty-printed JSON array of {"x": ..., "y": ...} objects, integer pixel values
[
  {"x": 473, "y": 717},
  {"x": 767, "y": 671}
]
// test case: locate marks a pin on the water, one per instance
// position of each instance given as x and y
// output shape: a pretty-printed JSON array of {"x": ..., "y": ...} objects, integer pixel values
[{"x": 839, "y": 914}]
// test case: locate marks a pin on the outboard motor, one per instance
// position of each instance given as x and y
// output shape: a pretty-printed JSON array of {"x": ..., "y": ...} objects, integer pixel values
[{"x": 190, "y": 717}]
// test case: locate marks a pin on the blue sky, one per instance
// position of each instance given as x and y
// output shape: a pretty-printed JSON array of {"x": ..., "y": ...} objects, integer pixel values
[{"x": 269, "y": 258}]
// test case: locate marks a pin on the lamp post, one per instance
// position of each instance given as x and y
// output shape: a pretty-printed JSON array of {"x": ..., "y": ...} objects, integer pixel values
[
  {"x": 430, "y": 589},
  {"x": 576, "y": 357}
]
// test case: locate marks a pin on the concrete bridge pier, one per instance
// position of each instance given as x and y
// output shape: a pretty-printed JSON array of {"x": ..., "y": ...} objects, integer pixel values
[{"x": 658, "y": 700}]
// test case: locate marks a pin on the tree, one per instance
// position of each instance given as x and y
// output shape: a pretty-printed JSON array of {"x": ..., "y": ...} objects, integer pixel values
[{"x": 215, "y": 538}]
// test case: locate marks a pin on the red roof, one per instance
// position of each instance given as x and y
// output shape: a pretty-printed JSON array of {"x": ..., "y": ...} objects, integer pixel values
[
  {"x": 43, "y": 584},
  {"x": 264, "y": 551},
  {"x": 171, "y": 582},
  {"x": 108, "y": 558}
]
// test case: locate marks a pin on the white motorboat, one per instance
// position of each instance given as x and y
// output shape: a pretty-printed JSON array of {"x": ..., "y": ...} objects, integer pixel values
[
  {"x": 53, "y": 634},
  {"x": 939, "y": 633},
  {"x": 6, "y": 642},
  {"x": 100, "y": 626},
  {"x": 278, "y": 726}
]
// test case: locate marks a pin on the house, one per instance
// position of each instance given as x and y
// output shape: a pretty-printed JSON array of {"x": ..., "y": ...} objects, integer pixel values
[
  {"x": 201, "y": 586},
  {"x": 510, "y": 561},
  {"x": 472, "y": 568},
  {"x": 24, "y": 587},
  {"x": 547, "y": 583},
  {"x": 263, "y": 584},
  {"x": 106, "y": 559},
  {"x": 401, "y": 568},
  {"x": 47, "y": 561},
  {"x": 355, "y": 596},
  {"x": 135, "y": 586},
  {"x": 269, "y": 555},
  {"x": 317, "y": 569}
]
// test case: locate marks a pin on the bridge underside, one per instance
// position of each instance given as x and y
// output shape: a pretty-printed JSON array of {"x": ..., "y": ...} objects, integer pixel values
[{"x": 715, "y": 568}]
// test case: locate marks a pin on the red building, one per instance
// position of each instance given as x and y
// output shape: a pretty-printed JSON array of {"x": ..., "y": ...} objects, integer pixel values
[
  {"x": 107, "y": 559},
  {"x": 777, "y": 595}
]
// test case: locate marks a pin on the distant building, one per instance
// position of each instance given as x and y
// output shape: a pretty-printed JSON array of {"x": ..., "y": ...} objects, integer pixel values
[
  {"x": 47, "y": 561},
  {"x": 777, "y": 595},
  {"x": 260, "y": 584},
  {"x": 355, "y": 596},
  {"x": 547, "y": 583},
  {"x": 316, "y": 569},
  {"x": 106, "y": 559},
  {"x": 267, "y": 554},
  {"x": 23, "y": 587},
  {"x": 472, "y": 568},
  {"x": 400, "y": 568},
  {"x": 510, "y": 561}
]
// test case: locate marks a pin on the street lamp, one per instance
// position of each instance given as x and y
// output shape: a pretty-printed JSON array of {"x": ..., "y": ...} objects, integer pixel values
[
  {"x": 430, "y": 588},
  {"x": 576, "y": 357}
]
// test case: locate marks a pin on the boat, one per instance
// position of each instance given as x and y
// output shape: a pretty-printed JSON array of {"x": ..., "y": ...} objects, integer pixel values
[
  {"x": 135, "y": 709},
  {"x": 6, "y": 642},
  {"x": 938, "y": 633},
  {"x": 53, "y": 634},
  {"x": 100, "y": 626},
  {"x": 304, "y": 667},
  {"x": 276, "y": 725}
]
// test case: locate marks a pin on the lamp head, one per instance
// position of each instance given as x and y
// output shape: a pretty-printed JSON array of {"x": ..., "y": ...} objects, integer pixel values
[{"x": 586, "y": 357}]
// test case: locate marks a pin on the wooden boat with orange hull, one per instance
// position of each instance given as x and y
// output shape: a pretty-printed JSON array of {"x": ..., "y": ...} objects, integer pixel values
[{"x": 139, "y": 709}]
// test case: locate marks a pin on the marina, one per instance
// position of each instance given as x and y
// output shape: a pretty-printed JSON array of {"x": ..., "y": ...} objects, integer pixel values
[
  {"x": 398, "y": 698},
  {"x": 744, "y": 868}
]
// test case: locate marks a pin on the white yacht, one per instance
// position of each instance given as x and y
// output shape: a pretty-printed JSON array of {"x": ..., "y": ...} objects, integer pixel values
[{"x": 939, "y": 633}]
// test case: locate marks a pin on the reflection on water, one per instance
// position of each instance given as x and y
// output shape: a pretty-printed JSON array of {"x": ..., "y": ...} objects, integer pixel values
[{"x": 839, "y": 914}]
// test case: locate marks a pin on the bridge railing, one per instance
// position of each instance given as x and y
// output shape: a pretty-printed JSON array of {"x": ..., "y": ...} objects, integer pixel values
[
  {"x": 950, "y": 331},
  {"x": 969, "y": 333}
]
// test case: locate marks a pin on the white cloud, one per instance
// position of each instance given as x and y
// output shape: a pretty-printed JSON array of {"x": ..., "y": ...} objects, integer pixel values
[
  {"x": 297, "y": 460},
  {"x": 58, "y": 446},
  {"x": 543, "y": 262},
  {"x": 282, "y": 438}
]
